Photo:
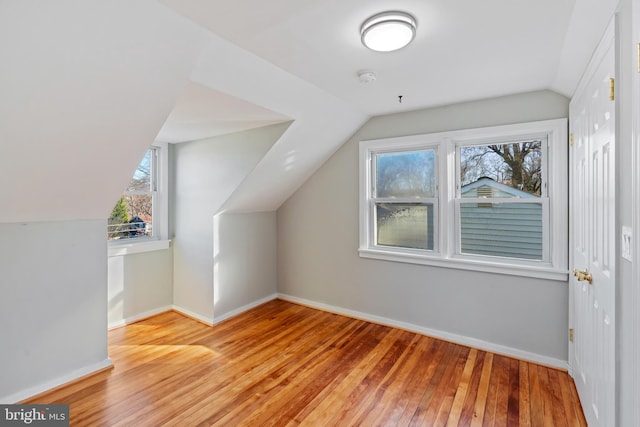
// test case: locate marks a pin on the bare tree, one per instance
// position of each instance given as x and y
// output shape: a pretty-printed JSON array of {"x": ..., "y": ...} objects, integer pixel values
[
  {"x": 139, "y": 205},
  {"x": 517, "y": 164},
  {"x": 522, "y": 172},
  {"x": 138, "y": 197}
]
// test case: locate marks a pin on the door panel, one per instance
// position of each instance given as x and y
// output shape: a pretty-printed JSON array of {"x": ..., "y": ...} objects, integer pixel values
[{"x": 592, "y": 224}]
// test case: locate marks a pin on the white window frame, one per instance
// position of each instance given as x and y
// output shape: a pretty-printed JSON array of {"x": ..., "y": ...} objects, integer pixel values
[
  {"x": 555, "y": 259},
  {"x": 543, "y": 200},
  {"x": 372, "y": 200},
  {"x": 159, "y": 239}
]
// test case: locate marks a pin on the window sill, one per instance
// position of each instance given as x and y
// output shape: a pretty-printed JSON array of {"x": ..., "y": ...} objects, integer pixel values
[
  {"x": 128, "y": 248},
  {"x": 542, "y": 272}
]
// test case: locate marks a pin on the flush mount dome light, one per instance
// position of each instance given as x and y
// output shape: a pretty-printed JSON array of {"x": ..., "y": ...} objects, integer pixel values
[{"x": 388, "y": 31}]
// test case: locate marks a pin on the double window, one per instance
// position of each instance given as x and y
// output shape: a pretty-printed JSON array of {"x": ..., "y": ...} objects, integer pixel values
[{"x": 491, "y": 199}]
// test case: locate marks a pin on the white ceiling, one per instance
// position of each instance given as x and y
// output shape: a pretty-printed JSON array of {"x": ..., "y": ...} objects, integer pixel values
[
  {"x": 202, "y": 112},
  {"x": 99, "y": 79},
  {"x": 464, "y": 49}
]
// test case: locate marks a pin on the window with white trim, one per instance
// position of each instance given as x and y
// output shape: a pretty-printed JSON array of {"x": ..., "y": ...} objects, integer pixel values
[
  {"x": 140, "y": 214},
  {"x": 501, "y": 205},
  {"x": 490, "y": 199},
  {"x": 404, "y": 201}
]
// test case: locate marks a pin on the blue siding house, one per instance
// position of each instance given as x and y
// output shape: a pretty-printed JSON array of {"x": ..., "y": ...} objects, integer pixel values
[{"x": 500, "y": 229}]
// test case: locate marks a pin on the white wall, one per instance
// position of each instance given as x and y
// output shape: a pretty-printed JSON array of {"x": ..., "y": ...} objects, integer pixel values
[
  {"x": 53, "y": 316},
  {"x": 318, "y": 248},
  {"x": 244, "y": 261},
  {"x": 205, "y": 174},
  {"x": 86, "y": 86},
  {"x": 140, "y": 285}
]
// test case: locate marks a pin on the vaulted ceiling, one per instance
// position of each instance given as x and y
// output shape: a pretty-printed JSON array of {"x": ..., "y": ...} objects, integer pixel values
[
  {"x": 87, "y": 86},
  {"x": 463, "y": 50}
]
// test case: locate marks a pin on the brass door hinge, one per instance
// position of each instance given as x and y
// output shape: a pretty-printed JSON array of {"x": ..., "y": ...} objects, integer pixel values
[
  {"x": 612, "y": 89},
  {"x": 571, "y": 140},
  {"x": 571, "y": 335}
]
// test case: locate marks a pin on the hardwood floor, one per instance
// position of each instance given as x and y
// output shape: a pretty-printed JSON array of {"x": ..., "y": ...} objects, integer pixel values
[{"x": 283, "y": 364}]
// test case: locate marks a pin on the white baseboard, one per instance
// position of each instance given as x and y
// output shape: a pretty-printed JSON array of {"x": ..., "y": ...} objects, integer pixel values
[
  {"x": 49, "y": 385},
  {"x": 139, "y": 317},
  {"x": 232, "y": 313},
  {"x": 447, "y": 336},
  {"x": 196, "y": 316},
  {"x": 217, "y": 319}
]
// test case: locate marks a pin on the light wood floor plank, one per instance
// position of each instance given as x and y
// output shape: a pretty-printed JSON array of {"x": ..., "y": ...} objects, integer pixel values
[
  {"x": 492, "y": 395},
  {"x": 524, "y": 393},
  {"x": 410, "y": 370},
  {"x": 284, "y": 364},
  {"x": 461, "y": 393},
  {"x": 468, "y": 410}
]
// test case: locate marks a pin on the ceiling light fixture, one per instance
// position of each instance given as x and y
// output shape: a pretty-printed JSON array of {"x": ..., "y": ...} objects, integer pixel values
[{"x": 388, "y": 31}]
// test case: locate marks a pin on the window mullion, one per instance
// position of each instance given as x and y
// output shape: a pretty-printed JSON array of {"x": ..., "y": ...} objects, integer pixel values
[
  {"x": 546, "y": 232},
  {"x": 449, "y": 182}
]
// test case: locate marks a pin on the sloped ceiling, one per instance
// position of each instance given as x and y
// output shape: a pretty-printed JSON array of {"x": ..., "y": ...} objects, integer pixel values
[
  {"x": 463, "y": 50},
  {"x": 202, "y": 112},
  {"x": 87, "y": 86}
]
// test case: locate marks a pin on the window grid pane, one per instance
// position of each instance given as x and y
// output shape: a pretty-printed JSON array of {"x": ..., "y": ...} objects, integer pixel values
[
  {"x": 405, "y": 174},
  {"x": 517, "y": 165},
  {"x": 405, "y": 225},
  {"x": 510, "y": 230},
  {"x": 141, "y": 180}
]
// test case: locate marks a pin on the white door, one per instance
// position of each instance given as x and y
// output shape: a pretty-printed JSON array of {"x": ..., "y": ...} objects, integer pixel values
[{"x": 592, "y": 233}]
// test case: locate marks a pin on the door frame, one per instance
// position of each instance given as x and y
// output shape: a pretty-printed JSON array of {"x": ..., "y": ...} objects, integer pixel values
[{"x": 634, "y": 318}]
